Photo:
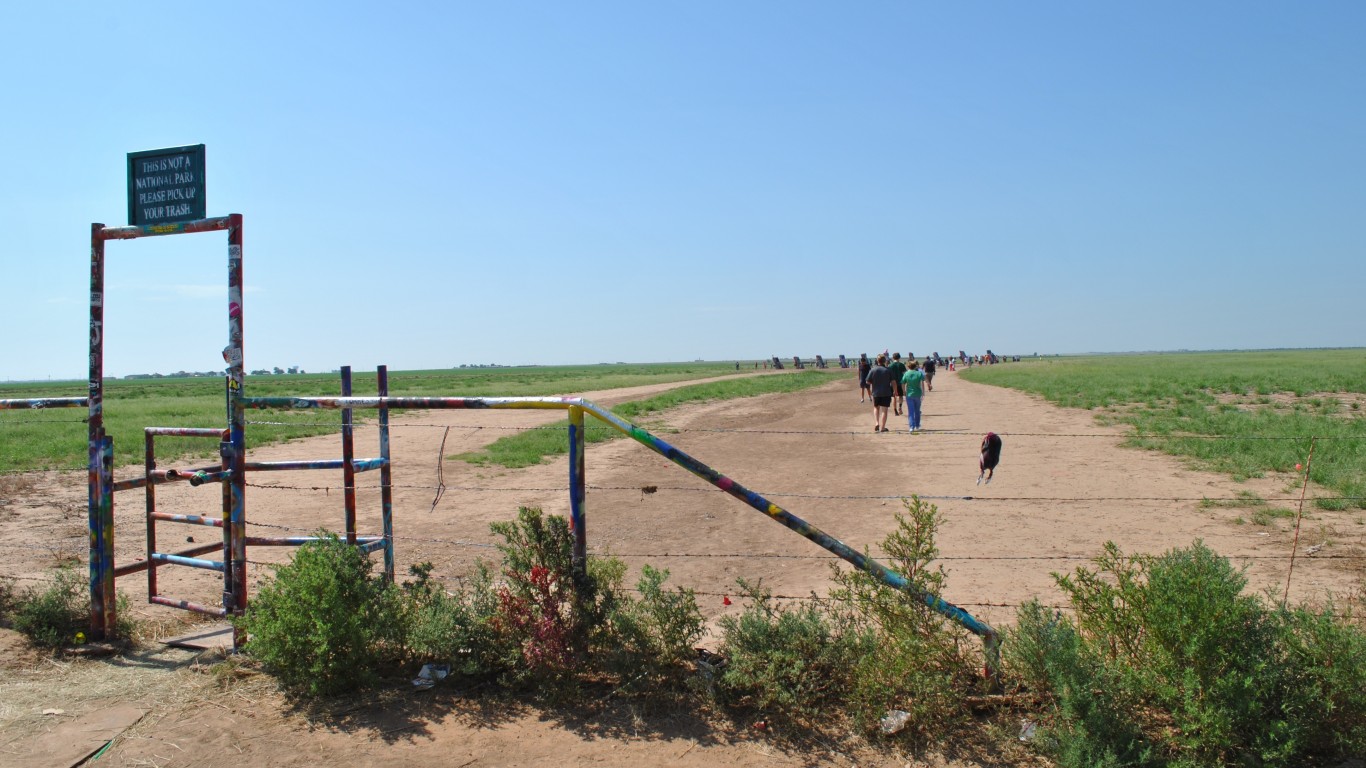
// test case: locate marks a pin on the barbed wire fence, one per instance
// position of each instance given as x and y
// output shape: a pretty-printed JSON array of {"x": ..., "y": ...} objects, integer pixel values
[{"x": 75, "y": 553}]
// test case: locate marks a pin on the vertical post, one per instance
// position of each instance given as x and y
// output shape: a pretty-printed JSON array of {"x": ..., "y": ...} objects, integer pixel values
[
  {"x": 149, "y": 463},
  {"x": 107, "y": 539},
  {"x": 348, "y": 460},
  {"x": 235, "y": 600},
  {"x": 1294, "y": 547},
  {"x": 95, "y": 443},
  {"x": 386, "y": 476},
  {"x": 577, "y": 493},
  {"x": 229, "y": 556}
]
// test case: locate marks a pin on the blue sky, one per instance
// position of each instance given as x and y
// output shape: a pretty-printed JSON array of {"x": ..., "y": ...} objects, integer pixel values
[{"x": 426, "y": 185}]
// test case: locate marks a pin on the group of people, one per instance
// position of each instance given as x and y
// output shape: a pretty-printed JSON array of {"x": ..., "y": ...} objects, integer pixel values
[{"x": 896, "y": 386}]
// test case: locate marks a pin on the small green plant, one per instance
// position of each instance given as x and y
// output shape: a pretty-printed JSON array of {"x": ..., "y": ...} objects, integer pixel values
[
  {"x": 794, "y": 663},
  {"x": 541, "y": 610},
  {"x": 1268, "y": 515},
  {"x": 456, "y": 627},
  {"x": 647, "y": 643},
  {"x": 58, "y": 615},
  {"x": 922, "y": 662},
  {"x": 1089, "y": 720},
  {"x": 324, "y": 625},
  {"x": 9, "y": 597}
]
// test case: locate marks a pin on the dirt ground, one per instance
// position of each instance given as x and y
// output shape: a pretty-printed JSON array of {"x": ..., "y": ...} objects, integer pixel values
[{"x": 1063, "y": 489}]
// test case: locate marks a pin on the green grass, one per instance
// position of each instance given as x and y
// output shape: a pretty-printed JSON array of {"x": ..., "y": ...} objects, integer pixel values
[
  {"x": 1268, "y": 403},
  {"x": 532, "y": 446},
  {"x": 56, "y": 438}
]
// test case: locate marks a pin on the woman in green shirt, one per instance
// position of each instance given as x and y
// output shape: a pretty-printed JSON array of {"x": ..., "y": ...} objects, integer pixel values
[{"x": 912, "y": 383}]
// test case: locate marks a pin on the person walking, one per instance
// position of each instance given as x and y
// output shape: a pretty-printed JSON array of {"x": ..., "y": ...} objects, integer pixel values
[
  {"x": 863, "y": 367},
  {"x": 912, "y": 382},
  {"x": 897, "y": 369},
  {"x": 930, "y": 365},
  {"x": 880, "y": 384}
]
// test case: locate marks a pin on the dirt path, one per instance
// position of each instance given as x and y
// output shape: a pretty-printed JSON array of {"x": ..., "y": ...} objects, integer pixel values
[{"x": 1064, "y": 488}]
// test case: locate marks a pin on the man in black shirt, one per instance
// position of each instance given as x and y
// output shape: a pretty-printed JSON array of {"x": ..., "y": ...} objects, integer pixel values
[{"x": 880, "y": 382}]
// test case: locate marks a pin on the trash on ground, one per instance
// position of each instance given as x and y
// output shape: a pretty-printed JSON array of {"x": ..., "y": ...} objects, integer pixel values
[
  {"x": 894, "y": 721},
  {"x": 429, "y": 675}
]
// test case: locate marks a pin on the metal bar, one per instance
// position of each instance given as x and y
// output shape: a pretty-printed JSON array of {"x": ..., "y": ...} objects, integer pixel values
[
  {"x": 44, "y": 402},
  {"x": 132, "y": 568},
  {"x": 188, "y": 606},
  {"x": 202, "y": 478},
  {"x": 577, "y": 493},
  {"x": 169, "y": 517},
  {"x": 386, "y": 479},
  {"x": 434, "y": 403},
  {"x": 193, "y": 562},
  {"x": 301, "y": 464},
  {"x": 348, "y": 455},
  {"x": 359, "y": 465},
  {"x": 160, "y": 477},
  {"x": 298, "y": 541},
  {"x": 221, "y": 434},
  {"x": 180, "y": 228}
]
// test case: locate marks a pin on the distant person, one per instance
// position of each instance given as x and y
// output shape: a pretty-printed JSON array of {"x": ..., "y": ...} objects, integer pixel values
[
  {"x": 863, "y": 368},
  {"x": 929, "y": 368},
  {"x": 912, "y": 382},
  {"x": 897, "y": 369},
  {"x": 880, "y": 384}
]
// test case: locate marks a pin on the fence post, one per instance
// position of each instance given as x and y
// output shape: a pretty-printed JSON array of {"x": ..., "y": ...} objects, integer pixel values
[
  {"x": 348, "y": 460},
  {"x": 95, "y": 445},
  {"x": 577, "y": 493},
  {"x": 386, "y": 487},
  {"x": 1308, "y": 463},
  {"x": 237, "y": 429}
]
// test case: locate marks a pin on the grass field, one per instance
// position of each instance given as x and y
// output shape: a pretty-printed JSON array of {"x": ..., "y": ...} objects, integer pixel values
[
  {"x": 56, "y": 438},
  {"x": 1242, "y": 413}
]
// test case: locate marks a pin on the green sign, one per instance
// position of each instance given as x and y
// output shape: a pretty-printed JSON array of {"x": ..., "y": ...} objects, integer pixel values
[{"x": 166, "y": 186}]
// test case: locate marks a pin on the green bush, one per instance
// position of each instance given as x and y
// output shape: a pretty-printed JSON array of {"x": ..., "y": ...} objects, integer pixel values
[
  {"x": 58, "y": 616},
  {"x": 324, "y": 625},
  {"x": 1168, "y": 659},
  {"x": 9, "y": 597},
  {"x": 1093, "y": 722},
  {"x": 923, "y": 663},
  {"x": 646, "y": 643},
  {"x": 542, "y": 612},
  {"x": 456, "y": 627},
  {"x": 794, "y": 663}
]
